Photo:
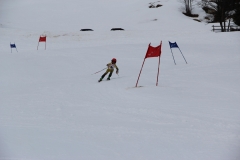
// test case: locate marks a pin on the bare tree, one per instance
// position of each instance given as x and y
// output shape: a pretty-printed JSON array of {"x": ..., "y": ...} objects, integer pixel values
[
  {"x": 188, "y": 6},
  {"x": 236, "y": 15},
  {"x": 223, "y": 11}
]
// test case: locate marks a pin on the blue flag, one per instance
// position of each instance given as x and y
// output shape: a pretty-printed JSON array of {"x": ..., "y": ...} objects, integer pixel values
[
  {"x": 173, "y": 45},
  {"x": 12, "y": 45}
]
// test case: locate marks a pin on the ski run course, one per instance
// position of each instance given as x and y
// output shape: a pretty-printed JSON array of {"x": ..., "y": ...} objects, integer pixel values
[{"x": 53, "y": 108}]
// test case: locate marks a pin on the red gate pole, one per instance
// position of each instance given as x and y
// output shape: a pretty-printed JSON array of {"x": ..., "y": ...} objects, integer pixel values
[
  {"x": 140, "y": 72},
  {"x": 38, "y": 45},
  {"x": 159, "y": 63},
  {"x": 142, "y": 65}
]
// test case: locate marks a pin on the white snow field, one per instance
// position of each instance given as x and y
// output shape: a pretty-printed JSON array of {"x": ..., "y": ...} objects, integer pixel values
[{"x": 53, "y": 108}]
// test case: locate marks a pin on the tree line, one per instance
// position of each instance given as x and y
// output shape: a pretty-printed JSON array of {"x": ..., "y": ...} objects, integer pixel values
[{"x": 222, "y": 10}]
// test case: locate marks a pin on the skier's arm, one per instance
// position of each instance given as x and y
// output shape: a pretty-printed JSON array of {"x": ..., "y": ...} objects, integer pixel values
[{"x": 117, "y": 70}]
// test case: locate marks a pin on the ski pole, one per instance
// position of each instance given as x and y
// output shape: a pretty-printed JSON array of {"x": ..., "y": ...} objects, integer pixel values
[{"x": 99, "y": 71}]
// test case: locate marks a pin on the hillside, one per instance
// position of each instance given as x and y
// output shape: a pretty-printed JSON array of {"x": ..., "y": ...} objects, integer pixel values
[{"x": 53, "y": 108}]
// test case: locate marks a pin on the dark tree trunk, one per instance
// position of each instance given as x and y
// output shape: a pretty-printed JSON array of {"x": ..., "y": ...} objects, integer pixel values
[
  {"x": 223, "y": 10},
  {"x": 188, "y": 6}
]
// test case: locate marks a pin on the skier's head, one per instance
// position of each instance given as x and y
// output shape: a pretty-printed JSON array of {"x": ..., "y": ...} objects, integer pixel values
[{"x": 114, "y": 60}]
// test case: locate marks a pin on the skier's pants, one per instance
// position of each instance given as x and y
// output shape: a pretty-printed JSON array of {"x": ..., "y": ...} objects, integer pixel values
[{"x": 110, "y": 71}]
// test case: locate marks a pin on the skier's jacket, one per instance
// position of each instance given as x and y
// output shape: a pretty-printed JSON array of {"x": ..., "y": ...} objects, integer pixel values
[{"x": 111, "y": 67}]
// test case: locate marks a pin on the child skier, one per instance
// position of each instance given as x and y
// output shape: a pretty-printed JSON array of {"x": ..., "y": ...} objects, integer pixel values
[{"x": 110, "y": 69}]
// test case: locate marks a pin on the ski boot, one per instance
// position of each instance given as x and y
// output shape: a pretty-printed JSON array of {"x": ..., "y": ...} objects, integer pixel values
[{"x": 108, "y": 78}]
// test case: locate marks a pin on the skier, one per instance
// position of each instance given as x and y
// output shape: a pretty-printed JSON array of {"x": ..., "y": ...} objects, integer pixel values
[{"x": 110, "y": 69}]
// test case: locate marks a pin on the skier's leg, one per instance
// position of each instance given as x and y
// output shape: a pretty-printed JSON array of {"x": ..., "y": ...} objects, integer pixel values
[
  {"x": 104, "y": 75},
  {"x": 110, "y": 74}
]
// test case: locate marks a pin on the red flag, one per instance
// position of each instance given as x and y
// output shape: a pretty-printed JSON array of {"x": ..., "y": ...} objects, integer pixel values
[
  {"x": 153, "y": 51},
  {"x": 42, "y": 39}
]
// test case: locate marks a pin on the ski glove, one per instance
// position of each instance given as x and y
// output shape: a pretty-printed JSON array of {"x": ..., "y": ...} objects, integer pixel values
[{"x": 117, "y": 72}]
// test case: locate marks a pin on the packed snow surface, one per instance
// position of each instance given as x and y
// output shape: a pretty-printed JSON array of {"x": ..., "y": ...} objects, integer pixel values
[{"x": 53, "y": 108}]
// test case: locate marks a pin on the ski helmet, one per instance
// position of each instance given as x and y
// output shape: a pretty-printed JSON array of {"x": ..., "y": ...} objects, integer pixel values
[{"x": 114, "y": 60}]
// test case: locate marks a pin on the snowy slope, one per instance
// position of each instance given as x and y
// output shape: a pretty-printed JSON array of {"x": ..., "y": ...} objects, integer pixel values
[{"x": 53, "y": 108}]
